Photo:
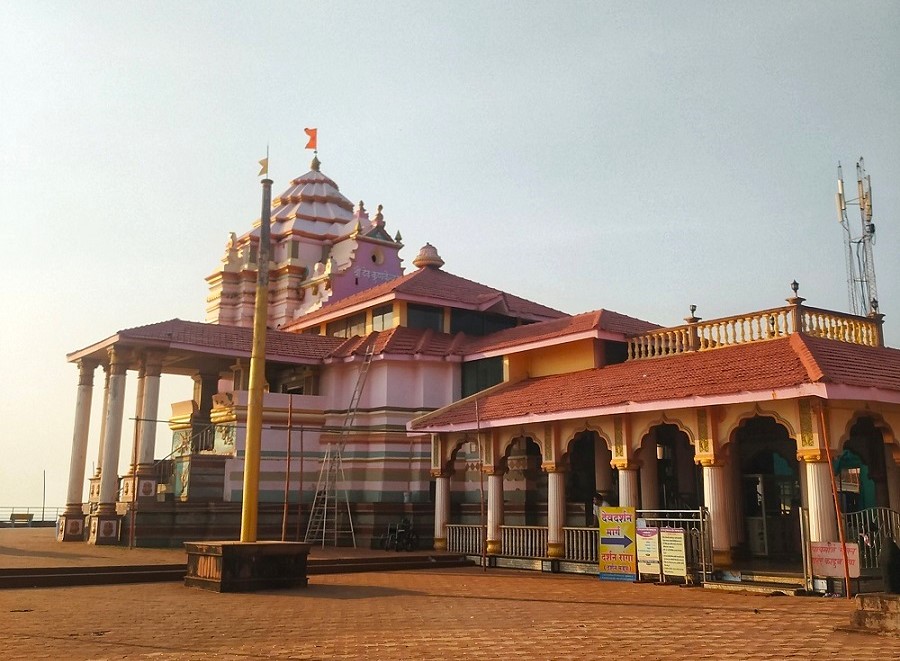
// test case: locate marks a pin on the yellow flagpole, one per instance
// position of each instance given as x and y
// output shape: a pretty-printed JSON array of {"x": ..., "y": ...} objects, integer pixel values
[{"x": 250, "y": 505}]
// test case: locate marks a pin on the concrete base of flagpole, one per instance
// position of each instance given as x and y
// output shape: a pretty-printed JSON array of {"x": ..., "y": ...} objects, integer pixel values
[{"x": 246, "y": 566}]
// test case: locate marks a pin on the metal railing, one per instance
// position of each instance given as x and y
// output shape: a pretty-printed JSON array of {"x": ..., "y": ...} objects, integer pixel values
[
  {"x": 698, "y": 537},
  {"x": 464, "y": 538},
  {"x": 523, "y": 541},
  {"x": 870, "y": 528},
  {"x": 41, "y": 513},
  {"x": 581, "y": 544}
]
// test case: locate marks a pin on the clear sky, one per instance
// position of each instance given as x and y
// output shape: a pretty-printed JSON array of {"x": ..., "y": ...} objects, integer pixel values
[{"x": 638, "y": 156}]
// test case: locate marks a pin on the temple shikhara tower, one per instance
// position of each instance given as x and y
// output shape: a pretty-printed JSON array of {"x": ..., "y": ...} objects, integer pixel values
[{"x": 396, "y": 393}]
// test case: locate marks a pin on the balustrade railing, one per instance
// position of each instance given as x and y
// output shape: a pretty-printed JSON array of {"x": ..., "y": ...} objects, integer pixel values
[
  {"x": 754, "y": 327},
  {"x": 524, "y": 541},
  {"x": 581, "y": 544},
  {"x": 464, "y": 538},
  {"x": 871, "y": 528}
]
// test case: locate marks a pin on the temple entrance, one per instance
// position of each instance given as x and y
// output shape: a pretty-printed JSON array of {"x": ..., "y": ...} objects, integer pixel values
[
  {"x": 525, "y": 484},
  {"x": 859, "y": 470},
  {"x": 678, "y": 477},
  {"x": 770, "y": 490}
]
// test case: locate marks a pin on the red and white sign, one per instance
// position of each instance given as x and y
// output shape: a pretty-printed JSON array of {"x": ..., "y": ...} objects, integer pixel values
[{"x": 828, "y": 559}]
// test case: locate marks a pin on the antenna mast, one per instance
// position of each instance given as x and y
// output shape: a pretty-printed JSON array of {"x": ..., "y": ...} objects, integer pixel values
[{"x": 861, "y": 290}]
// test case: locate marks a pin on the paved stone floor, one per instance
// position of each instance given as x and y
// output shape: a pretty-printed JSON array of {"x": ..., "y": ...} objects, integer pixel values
[
  {"x": 441, "y": 614},
  {"x": 437, "y": 614}
]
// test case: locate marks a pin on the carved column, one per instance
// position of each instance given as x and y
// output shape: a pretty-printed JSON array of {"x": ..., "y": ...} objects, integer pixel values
[
  {"x": 556, "y": 513},
  {"x": 441, "y": 511},
  {"x": 494, "y": 514},
  {"x": 715, "y": 498},
  {"x": 822, "y": 518},
  {"x": 628, "y": 487},
  {"x": 147, "y": 480},
  {"x": 128, "y": 481},
  {"x": 104, "y": 524},
  {"x": 70, "y": 527}
]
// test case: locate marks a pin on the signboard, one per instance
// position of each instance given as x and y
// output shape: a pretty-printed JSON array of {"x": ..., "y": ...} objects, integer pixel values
[
  {"x": 647, "y": 542},
  {"x": 828, "y": 559},
  {"x": 674, "y": 561},
  {"x": 617, "y": 547}
]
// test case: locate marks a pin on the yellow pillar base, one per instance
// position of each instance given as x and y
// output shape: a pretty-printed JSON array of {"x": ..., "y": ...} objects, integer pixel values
[
  {"x": 556, "y": 550},
  {"x": 494, "y": 547},
  {"x": 722, "y": 558},
  {"x": 440, "y": 544}
]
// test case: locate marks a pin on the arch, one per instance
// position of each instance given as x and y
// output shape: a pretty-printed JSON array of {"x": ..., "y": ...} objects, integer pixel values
[
  {"x": 757, "y": 412},
  {"x": 887, "y": 432},
  {"x": 664, "y": 420},
  {"x": 577, "y": 430}
]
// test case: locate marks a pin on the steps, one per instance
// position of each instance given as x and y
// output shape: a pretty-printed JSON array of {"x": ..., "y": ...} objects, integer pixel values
[{"x": 760, "y": 582}]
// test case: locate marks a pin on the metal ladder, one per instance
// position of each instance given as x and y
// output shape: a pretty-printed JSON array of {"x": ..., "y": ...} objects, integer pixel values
[{"x": 327, "y": 516}]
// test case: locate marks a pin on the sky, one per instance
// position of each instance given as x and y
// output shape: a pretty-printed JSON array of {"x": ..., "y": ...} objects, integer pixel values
[{"x": 639, "y": 157}]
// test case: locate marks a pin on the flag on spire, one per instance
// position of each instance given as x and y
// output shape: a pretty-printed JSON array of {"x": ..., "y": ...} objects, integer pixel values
[
  {"x": 311, "y": 134},
  {"x": 263, "y": 166}
]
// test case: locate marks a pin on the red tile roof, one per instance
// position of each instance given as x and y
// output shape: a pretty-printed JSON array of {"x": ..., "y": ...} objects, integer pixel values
[
  {"x": 602, "y": 320},
  {"x": 442, "y": 286},
  {"x": 402, "y": 341},
  {"x": 761, "y": 366},
  {"x": 201, "y": 335}
]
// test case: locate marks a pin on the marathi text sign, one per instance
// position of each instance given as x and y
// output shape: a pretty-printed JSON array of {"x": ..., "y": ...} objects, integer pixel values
[
  {"x": 828, "y": 559},
  {"x": 617, "y": 547},
  {"x": 674, "y": 561},
  {"x": 647, "y": 541}
]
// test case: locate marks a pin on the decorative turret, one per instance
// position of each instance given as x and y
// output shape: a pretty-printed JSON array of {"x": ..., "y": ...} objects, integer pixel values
[{"x": 428, "y": 256}]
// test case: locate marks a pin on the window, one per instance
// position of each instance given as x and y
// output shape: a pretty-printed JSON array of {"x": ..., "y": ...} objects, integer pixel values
[
  {"x": 425, "y": 316},
  {"x": 472, "y": 322},
  {"x": 347, "y": 327},
  {"x": 480, "y": 374},
  {"x": 383, "y": 317}
]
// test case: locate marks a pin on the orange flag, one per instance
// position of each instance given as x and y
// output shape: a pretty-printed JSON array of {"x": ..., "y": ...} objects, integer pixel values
[{"x": 311, "y": 133}]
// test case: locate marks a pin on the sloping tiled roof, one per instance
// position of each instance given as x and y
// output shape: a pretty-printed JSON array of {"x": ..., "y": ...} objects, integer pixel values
[
  {"x": 761, "y": 366},
  {"x": 440, "y": 285},
  {"x": 188, "y": 334},
  {"x": 402, "y": 341},
  {"x": 603, "y": 320}
]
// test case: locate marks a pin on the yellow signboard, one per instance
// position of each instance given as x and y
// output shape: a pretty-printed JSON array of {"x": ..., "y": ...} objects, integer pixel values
[{"x": 617, "y": 552}]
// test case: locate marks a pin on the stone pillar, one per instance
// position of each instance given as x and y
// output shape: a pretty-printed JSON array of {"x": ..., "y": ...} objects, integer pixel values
[
  {"x": 715, "y": 498},
  {"x": 822, "y": 518},
  {"x": 556, "y": 513},
  {"x": 104, "y": 524},
  {"x": 70, "y": 527},
  {"x": 146, "y": 477},
  {"x": 628, "y": 488},
  {"x": 494, "y": 514},
  {"x": 649, "y": 475},
  {"x": 441, "y": 511},
  {"x": 94, "y": 490}
]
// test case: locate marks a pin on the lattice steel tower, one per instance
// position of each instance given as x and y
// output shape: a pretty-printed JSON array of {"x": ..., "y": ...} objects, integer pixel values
[{"x": 861, "y": 290}]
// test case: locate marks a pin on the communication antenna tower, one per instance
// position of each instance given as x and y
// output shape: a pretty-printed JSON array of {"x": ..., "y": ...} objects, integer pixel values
[{"x": 861, "y": 289}]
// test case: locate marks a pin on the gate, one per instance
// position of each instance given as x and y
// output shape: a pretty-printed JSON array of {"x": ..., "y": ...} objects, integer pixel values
[{"x": 870, "y": 528}]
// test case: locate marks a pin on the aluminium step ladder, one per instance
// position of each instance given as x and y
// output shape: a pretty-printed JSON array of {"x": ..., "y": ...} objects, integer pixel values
[{"x": 330, "y": 517}]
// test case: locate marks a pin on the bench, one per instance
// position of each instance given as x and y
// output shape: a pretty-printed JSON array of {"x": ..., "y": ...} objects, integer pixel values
[{"x": 21, "y": 519}]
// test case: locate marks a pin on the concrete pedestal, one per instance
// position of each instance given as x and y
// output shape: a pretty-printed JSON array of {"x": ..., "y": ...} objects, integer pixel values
[
  {"x": 246, "y": 566},
  {"x": 878, "y": 613},
  {"x": 104, "y": 529},
  {"x": 70, "y": 527}
]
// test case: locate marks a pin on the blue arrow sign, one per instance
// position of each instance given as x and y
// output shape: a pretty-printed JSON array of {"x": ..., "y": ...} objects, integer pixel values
[{"x": 614, "y": 541}]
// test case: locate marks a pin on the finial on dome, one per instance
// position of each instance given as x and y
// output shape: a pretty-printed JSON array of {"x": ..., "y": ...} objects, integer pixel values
[
  {"x": 362, "y": 207},
  {"x": 379, "y": 217},
  {"x": 315, "y": 163},
  {"x": 428, "y": 256},
  {"x": 398, "y": 238}
]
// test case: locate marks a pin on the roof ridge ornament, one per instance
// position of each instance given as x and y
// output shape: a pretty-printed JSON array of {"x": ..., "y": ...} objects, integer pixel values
[
  {"x": 428, "y": 256},
  {"x": 316, "y": 163}
]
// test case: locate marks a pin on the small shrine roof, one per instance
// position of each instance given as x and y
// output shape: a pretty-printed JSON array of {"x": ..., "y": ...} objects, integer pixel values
[{"x": 606, "y": 322}]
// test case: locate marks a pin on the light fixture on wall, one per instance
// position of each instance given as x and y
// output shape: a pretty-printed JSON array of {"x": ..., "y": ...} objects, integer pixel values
[{"x": 660, "y": 451}]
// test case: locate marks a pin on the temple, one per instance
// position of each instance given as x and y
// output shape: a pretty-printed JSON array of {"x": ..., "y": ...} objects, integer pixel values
[{"x": 745, "y": 418}]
